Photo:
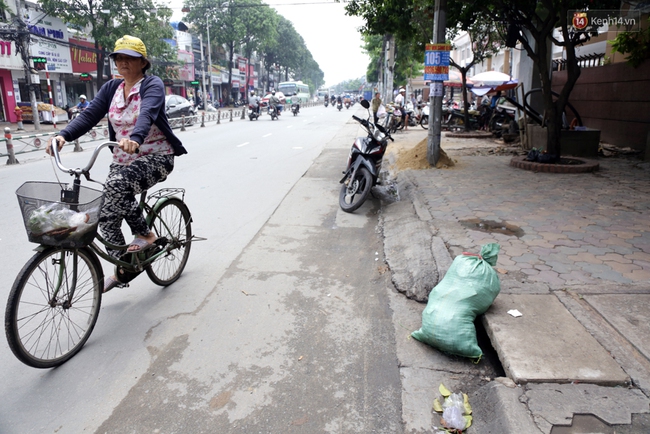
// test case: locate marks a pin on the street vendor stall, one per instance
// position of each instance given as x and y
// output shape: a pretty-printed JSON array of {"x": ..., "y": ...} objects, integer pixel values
[{"x": 44, "y": 113}]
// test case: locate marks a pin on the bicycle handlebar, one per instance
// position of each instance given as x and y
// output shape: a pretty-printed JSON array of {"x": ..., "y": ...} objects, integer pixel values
[{"x": 78, "y": 171}]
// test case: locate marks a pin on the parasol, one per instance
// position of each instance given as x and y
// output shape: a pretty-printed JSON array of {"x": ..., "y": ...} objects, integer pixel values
[
  {"x": 456, "y": 80},
  {"x": 490, "y": 78}
]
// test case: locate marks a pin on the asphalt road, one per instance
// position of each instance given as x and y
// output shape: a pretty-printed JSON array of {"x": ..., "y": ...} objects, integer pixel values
[{"x": 279, "y": 324}]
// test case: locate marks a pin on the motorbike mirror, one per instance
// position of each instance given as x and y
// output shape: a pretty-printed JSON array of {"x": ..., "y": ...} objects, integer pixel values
[
  {"x": 380, "y": 128},
  {"x": 365, "y": 104}
]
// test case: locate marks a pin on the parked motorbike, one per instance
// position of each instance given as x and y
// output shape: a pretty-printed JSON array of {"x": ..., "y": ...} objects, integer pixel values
[
  {"x": 295, "y": 109},
  {"x": 253, "y": 112},
  {"x": 454, "y": 119},
  {"x": 502, "y": 121},
  {"x": 273, "y": 111},
  {"x": 424, "y": 117},
  {"x": 394, "y": 121},
  {"x": 364, "y": 163}
]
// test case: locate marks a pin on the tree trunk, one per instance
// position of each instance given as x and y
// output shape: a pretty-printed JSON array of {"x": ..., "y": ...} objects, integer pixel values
[
  {"x": 231, "y": 53},
  {"x": 100, "y": 65},
  {"x": 463, "y": 75}
]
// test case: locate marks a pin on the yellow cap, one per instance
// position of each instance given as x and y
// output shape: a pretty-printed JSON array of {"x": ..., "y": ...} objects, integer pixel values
[{"x": 131, "y": 46}]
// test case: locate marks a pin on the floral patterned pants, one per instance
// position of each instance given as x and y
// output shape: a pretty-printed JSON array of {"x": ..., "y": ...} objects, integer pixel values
[{"x": 120, "y": 189}]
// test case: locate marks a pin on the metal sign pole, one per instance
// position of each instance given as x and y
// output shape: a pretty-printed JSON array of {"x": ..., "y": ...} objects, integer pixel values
[{"x": 436, "y": 94}]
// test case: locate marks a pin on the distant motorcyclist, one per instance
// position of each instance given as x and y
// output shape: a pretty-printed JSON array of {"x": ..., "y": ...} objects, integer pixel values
[
  {"x": 297, "y": 102},
  {"x": 275, "y": 102},
  {"x": 254, "y": 102},
  {"x": 83, "y": 104},
  {"x": 339, "y": 100}
]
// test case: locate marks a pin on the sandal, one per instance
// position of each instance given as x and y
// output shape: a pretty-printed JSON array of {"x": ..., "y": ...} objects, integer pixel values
[
  {"x": 110, "y": 283},
  {"x": 140, "y": 245}
]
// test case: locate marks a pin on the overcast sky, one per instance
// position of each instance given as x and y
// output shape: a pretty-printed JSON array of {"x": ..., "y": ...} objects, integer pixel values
[{"x": 330, "y": 35}]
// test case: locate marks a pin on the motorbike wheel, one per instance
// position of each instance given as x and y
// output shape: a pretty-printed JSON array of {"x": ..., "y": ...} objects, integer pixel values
[
  {"x": 455, "y": 124},
  {"x": 424, "y": 122},
  {"x": 355, "y": 193}
]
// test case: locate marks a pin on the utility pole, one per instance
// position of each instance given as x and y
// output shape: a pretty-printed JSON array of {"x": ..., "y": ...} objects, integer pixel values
[
  {"x": 24, "y": 49},
  {"x": 435, "y": 97},
  {"x": 203, "y": 99},
  {"x": 209, "y": 64}
]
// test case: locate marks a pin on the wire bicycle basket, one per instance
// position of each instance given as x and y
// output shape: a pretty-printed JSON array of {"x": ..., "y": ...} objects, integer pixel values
[{"x": 50, "y": 219}]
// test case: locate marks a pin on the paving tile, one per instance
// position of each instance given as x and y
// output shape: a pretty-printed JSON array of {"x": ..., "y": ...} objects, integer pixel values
[
  {"x": 614, "y": 257},
  {"x": 561, "y": 267},
  {"x": 574, "y": 235},
  {"x": 568, "y": 250},
  {"x": 643, "y": 256},
  {"x": 585, "y": 257},
  {"x": 638, "y": 275},
  {"x": 552, "y": 236},
  {"x": 566, "y": 243},
  {"x": 576, "y": 277},
  {"x": 612, "y": 241},
  {"x": 526, "y": 258},
  {"x": 642, "y": 264},
  {"x": 624, "y": 268},
  {"x": 625, "y": 234},
  {"x": 550, "y": 277}
]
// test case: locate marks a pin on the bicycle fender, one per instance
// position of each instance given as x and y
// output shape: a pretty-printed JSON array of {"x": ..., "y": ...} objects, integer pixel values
[{"x": 156, "y": 206}]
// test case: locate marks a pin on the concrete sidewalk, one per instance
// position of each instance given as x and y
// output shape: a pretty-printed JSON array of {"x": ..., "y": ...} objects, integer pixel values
[{"x": 574, "y": 260}]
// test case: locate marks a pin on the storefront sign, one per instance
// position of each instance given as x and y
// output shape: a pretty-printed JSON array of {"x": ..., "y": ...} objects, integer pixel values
[
  {"x": 83, "y": 60},
  {"x": 242, "y": 65},
  {"x": 235, "y": 84},
  {"x": 186, "y": 71},
  {"x": 58, "y": 55},
  {"x": 8, "y": 58}
]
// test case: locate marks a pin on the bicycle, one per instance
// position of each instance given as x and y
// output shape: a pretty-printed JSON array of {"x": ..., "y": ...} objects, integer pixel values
[{"x": 54, "y": 302}]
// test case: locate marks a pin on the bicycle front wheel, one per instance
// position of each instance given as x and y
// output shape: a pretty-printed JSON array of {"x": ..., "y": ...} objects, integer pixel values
[
  {"x": 173, "y": 223},
  {"x": 53, "y": 306}
]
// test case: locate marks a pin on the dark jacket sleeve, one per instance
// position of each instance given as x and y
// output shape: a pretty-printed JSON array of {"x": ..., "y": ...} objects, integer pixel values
[{"x": 94, "y": 113}]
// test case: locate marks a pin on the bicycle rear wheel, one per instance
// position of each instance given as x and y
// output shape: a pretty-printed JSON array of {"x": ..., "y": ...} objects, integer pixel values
[
  {"x": 173, "y": 222},
  {"x": 45, "y": 329}
]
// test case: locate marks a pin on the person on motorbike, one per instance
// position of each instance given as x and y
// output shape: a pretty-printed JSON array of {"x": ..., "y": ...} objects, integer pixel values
[
  {"x": 374, "y": 105},
  {"x": 339, "y": 100},
  {"x": 83, "y": 104},
  {"x": 275, "y": 102},
  {"x": 254, "y": 102},
  {"x": 297, "y": 103},
  {"x": 400, "y": 101}
]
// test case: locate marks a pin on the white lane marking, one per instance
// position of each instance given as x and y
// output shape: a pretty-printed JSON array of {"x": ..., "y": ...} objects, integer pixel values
[
  {"x": 290, "y": 126},
  {"x": 297, "y": 147},
  {"x": 266, "y": 135},
  {"x": 243, "y": 144}
]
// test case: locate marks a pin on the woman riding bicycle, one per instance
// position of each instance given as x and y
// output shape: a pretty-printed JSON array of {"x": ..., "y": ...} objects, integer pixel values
[{"x": 147, "y": 146}]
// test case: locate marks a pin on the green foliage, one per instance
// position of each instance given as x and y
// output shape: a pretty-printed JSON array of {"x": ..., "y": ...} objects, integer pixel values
[
  {"x": 108, "y": 20},
  {"x": 256, "y": 27},
  {"x": 635, "y": 44}
]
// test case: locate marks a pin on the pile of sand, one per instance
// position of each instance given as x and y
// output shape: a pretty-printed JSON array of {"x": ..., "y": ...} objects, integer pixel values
[{"x": 415, "y": 158}]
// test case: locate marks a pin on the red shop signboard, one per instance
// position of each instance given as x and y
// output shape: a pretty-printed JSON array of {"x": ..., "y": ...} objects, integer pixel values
[{"x": 83, "y": 60}]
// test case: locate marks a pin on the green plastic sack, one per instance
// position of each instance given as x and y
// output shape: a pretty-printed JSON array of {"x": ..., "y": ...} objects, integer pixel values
[{"x": 467, "y": 290}]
